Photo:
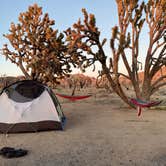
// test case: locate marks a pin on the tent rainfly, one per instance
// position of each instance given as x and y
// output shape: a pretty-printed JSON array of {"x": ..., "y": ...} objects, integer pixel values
[{"x": 29, "y": 106}]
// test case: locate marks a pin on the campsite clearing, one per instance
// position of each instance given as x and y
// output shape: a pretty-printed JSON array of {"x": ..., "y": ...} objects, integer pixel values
[{"x": 98, "y": 132}]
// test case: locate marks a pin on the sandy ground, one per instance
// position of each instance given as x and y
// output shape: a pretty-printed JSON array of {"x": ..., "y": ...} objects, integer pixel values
[{"x": 100, "y": 131}]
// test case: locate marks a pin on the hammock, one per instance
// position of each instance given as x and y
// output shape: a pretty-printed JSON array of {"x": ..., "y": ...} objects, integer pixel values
[
  {"x": 142, "y": 104},
  {"x": 73, "y": 98}
]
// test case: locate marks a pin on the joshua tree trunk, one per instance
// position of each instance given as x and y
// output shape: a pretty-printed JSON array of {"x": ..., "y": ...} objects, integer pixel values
[
  {"x": 74, "y": 89},
  {"x": 145, "y": 95}
]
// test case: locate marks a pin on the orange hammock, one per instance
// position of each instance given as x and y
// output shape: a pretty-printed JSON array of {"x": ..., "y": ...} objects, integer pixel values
[
  {"x": 73, "y": 98},
  {"x": 142, "y": 104}
]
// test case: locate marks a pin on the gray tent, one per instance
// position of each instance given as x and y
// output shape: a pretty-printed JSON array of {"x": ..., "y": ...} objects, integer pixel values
[{"x": 29, "y": 106}]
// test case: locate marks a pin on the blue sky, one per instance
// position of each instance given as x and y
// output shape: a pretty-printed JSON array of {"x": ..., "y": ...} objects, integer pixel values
[{"x": 64, "y": 12}]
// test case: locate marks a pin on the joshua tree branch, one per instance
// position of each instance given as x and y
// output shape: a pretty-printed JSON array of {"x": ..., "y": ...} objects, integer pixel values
[
  {"x": 158, "y": 80},
  {"x": 157, "y": 47},
  {"x": 157, "y": 87},
  {"x": 23, "y": 69},
  {"x": 157, "y": 64}
]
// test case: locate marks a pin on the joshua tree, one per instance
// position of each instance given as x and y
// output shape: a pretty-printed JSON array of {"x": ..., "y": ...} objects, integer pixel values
[
  {"x": 84, "y": 40},
  {"x": 83, "y": 81},
  {"x": 38, "y": 49},
  {"x": 102, "y": 82},
  {"x": 73, "y": 83},
  {"x": 78, "y": 81}
]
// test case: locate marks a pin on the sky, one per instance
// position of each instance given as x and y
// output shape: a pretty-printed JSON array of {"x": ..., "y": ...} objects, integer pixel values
[{"x": 64, "y": 12}]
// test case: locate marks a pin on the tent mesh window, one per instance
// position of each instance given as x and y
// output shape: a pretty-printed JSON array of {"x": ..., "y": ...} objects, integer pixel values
[{"x": 24, "y": 92}]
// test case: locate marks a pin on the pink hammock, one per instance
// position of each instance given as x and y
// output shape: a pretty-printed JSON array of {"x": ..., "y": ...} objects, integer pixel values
[
  {"x": 73, "y": 98},
  {"x": 142, "y": 104}
]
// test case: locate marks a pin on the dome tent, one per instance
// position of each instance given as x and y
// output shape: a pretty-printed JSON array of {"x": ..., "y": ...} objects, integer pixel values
[{"x": 29, "y": 106}]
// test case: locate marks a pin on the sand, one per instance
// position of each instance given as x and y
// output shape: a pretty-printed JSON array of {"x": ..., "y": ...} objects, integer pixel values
[{"x": 100, "y": 131}]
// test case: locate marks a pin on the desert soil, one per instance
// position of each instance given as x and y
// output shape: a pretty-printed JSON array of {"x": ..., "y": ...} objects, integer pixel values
[{"x": 100, "y": 131}]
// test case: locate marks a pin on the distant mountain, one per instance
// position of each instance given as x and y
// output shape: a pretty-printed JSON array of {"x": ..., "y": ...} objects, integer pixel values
[
  {"x": 141, "y": 76},
  {"x": 7, "y": 80},
  {"x": 77, "y": 78}
]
